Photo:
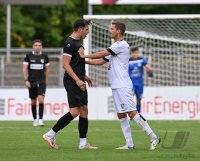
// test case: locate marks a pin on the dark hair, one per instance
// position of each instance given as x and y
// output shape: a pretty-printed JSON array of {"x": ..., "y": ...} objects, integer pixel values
[
  {"x": 37, "y": 40},
  {"x": 120, "y": 26},
  {"x": 134, "y": 49},
  {"x": 80, "y": 23}
]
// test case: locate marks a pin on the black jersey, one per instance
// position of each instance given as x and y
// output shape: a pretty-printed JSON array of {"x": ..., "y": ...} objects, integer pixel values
[
  {"x": 36, "y": 66},
  {"x": 77, "y": 63}
]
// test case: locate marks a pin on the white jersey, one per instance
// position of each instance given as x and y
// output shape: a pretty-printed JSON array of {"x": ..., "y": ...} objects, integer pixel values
[{"x": 118, "y": 65}]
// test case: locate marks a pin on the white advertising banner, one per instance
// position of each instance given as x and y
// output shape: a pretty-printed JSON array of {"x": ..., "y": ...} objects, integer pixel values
[
  {"x": 171, "y": 103},
  {"x": 15, "y": 104},
  {"x": 135, "y": 2},
  {"x": 158, "y": 103}
]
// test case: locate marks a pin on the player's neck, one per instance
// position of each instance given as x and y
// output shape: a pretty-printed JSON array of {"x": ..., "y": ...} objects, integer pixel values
[
  {"x": 37, "y": 53},
  {"x": 75, "y": 36},
  {"x": 119, "y": 38}
]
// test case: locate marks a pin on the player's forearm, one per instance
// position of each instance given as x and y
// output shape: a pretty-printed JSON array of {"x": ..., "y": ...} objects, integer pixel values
[
  {"x": 94, "y": 62},
  {"x": 70, "y": 72},
  {"x": 25, "y": 72},
  {"x": 46, "y": 75},
  {"x": 97, "y": 55},
  {"x": 148, "y": 67},
  {"x": 25, "y": 76},
  {"x": 94, "y": 56}
]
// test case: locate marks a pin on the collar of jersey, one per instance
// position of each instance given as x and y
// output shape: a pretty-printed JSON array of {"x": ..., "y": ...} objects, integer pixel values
[
  {"x": 73, "y": 38},
  {"x": 34, "y": 53}
]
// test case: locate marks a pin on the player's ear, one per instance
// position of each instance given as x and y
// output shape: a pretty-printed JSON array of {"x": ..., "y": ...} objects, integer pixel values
[{"x": 79, "y": 30}]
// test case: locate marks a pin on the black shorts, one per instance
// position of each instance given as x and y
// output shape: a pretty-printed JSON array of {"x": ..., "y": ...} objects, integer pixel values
[
  {"x": 76, "y": 97},
  {"x": 37, "y": 89}
]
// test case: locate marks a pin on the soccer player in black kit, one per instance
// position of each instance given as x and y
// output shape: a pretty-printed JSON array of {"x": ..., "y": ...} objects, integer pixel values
[
  {"x": 74, "y": 82},
  {"x": 35, "y": 72}
]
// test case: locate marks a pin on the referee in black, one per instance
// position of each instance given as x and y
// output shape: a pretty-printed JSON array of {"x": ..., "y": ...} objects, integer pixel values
[
  {"x": 35, "y": 72},
  {"x": 74, "y": 82}
]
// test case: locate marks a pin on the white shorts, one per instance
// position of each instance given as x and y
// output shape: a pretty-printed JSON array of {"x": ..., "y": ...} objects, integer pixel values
[{"x": 124, "y": 100}]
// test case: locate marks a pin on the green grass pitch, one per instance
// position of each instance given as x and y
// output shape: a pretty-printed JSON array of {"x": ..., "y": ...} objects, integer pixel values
[{"x": 20, "y": 141}]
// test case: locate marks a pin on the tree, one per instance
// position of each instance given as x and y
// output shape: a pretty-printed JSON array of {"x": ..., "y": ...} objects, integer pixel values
[{"x": 52, "y": 24}]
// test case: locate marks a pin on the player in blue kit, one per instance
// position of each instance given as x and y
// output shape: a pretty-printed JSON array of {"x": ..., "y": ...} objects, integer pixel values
[{"x": 137, "y": 64}]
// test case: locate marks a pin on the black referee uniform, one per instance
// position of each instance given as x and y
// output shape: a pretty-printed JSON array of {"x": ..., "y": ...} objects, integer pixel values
[
  {"x": 36, "y": 73},
  {"x": 76, "y": 97}
]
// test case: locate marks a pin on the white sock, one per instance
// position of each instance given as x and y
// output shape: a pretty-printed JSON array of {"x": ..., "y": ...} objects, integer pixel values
[
  {"x": 126, "y": 129},
  {"x": 141, "y": 122},
  {"x": 152, "y": 136},
  {"x": 51, "y": 133},
  {"x": 83, "y": 141}
]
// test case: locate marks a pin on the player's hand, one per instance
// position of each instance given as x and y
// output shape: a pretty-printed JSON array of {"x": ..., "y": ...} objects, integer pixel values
[
  {"x": 81, "y": 85},
  {"x": 27, "y": 84},
  {"x": 81, "y": 52},
  {"x": 150, "y": 73},
  {"x": 88, "y": 80}
]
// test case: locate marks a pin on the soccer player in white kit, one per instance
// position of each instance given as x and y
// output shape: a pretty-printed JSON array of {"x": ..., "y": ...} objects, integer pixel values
[{"x": 118, "y": 55}]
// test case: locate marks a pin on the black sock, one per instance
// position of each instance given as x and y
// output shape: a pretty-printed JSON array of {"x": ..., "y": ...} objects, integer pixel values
[
  {"x": 41, "y": 110},
  {"x": 83, "y": 127},
  {"x": 62, "y": 122},
  {"x": 33, "y": 109}
]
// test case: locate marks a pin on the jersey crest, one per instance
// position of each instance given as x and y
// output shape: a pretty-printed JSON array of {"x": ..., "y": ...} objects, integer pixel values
[{"x": 42, "y": 60}]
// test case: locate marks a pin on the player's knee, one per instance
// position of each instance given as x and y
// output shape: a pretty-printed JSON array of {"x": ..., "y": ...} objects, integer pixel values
[
  {"x": 121, "y": 115},
  {"x": 33, "y": 101},
  {"x": 132, "y": 114},
  {"x": 75, "y": 112},
  {"x": 84, "y": 111},
  {"x": 41, "y": 99},
  {"x": 139, "y": 101}
]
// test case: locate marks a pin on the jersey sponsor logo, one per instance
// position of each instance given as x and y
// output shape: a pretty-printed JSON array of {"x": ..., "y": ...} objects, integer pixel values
[
  {"x": 135, "y": 72},
  {"x": 135, "y": 61},
  {"x": 33, "y": 60},
  {"x": 36, "y": 66}
]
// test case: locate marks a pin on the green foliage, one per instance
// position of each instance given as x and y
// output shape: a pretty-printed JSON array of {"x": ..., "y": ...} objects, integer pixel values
[
  {"x": 52, "y": 24},
  {"x": 146, "y": 9},
  {"x": 21, "y": 27},
  {"x": 2, "y": 26}
]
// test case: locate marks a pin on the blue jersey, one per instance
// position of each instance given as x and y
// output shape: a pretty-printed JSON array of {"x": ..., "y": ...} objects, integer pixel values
[{"x": 136, "y": 70}]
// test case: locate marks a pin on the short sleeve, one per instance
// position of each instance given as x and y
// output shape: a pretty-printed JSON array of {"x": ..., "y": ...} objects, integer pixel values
[
  {"x": 68, "y": 49},
  {"x": 46, "y": 60},
  {"x": 106, "y": 58},
  {"x": 26, "y": 59},
  {"x": 115, "y": 48}
]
